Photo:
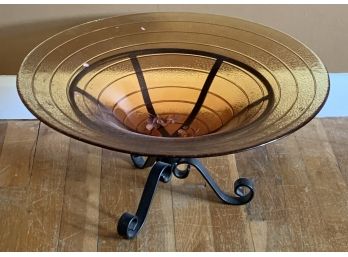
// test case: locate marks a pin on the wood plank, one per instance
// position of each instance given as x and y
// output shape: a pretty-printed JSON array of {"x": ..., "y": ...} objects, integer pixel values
[
  {"x": 301, "y": 200},
  {"x": 117, "y": 195},
  {"x": 268, "y": 202},
  {"x": 192, "y": 219},
  {"x": 306, "y": 227},
  {"x": 267, "y": 211},
  {"x": 3, "y": 128},
  {"x": 231, "y": 230},
  {"x": 12, "y": 217},
  {"x": 299, "y": 223},
  {"x": 79, "y": 225},
  {"x": 285, "y": 157},
  {"x": 13, "y": 199},
  {"x": 32, "y": 213},
  {"x": 337, "y": 135},
  {"x": 40, "y": 230},
  {"x": 258, "y": 230},
  {"x": 303, "y": 233},
  {"x": 17, "y": 153},
  {"x": 331, "y": 191}
]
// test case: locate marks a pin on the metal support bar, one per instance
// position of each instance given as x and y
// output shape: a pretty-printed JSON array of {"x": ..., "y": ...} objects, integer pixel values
[{"x": 142, "y": 162}]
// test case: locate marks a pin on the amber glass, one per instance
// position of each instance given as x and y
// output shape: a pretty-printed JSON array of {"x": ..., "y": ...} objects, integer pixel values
[
  {"x": 156, "y": 92},
  {"x": 173, "y": 84}
]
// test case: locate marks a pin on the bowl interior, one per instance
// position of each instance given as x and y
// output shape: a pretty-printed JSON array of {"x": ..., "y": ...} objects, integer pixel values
[{"x": 170, "y": 93}]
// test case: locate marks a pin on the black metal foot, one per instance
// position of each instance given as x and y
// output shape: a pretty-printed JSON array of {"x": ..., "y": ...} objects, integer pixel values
[
  {"x": 162, "y": 170},
  {"x": 243, "y": 187},
  {"x": 129, "y": 224}
]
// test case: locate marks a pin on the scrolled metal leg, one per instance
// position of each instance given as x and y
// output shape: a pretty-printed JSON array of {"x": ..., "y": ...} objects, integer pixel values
[
  {"x": 243, "y": 187},
  {"x": 162, "y": 170},
  {"x": 129, "y": 224},
  {"x": 181, "y": 173}
]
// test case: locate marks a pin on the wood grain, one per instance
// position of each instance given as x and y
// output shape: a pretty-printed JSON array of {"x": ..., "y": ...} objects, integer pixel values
[
  {"x": 192, "y": 219},
  {"x": 230, "y": 228},
  {"x": 267, "y": 211},
  {"x": 3, "y": 128},
  {"x": 17, "y": 154},
  {"x": 80, "y": 218},
  {"x": 331, "y": 191},
  {"x": 69, "y": 196},
  {"x": 45, "y": 193},
  {"x": 301, "y": 216},
  {"x": 15, "y": 162},
  {"x": 158, "y": 230},
  {"x": 117, "y": 195},
  {"x": 337, "y": 135},
  {"x": 31, "y": 213}
]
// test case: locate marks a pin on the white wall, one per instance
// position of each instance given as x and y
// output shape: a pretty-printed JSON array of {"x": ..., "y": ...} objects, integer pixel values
[{"x": 11, "y": 106}]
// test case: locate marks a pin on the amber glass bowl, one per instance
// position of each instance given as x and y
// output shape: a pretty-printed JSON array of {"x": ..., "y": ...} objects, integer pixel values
[{"x": 173, "y": 84}]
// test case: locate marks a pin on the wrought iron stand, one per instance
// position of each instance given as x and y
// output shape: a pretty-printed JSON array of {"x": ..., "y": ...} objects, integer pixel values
[{"x": 162, "y": 170}]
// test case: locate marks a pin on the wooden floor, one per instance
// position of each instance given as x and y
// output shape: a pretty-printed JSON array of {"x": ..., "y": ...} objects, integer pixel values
[{"x": 58, "y": 194}]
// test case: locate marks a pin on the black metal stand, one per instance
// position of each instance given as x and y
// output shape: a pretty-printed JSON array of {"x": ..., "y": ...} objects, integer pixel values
[{"x": 162, "y": 170}]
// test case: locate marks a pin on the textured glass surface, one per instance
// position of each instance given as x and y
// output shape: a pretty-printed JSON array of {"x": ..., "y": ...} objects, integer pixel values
[
  {"x": 173, "y": 84},
  {"x": 155, "y": 92}
]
